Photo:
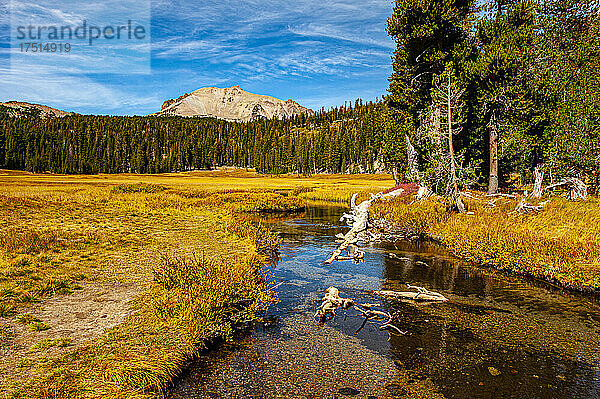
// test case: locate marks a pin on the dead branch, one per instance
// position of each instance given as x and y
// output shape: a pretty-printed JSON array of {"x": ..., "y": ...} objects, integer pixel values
[
  {"x": 422, "y": 294},
  {"x": 501, "y": 195},
  {"x": 577, "y": 189},
  {"x": 469, "y": 195}
]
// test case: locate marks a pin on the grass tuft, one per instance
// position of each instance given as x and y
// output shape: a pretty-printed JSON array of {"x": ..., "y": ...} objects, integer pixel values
[
  {"x": 38, "y": 326},
  {"x": 26, "y": 318}
]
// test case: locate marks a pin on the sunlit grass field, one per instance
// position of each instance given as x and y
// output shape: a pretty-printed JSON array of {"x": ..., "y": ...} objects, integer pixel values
[{"x": 178, "y": 252}]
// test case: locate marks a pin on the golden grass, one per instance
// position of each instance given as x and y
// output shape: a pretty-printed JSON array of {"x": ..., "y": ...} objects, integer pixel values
[
  {"x": 50, "y": 186},
  {"x": 60, "y": 233},
  {"x": 561, "y": 244}
]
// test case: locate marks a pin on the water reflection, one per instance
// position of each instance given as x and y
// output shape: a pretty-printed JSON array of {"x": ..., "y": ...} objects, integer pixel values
[{"x": 498, "y": 337}]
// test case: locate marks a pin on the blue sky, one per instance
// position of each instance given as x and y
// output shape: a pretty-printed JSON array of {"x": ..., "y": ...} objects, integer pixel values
[{"x": 319, "y": 53}]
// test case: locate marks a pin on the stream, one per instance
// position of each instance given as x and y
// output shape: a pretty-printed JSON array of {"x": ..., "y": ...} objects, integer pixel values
[{"x": 499, "y": 336}]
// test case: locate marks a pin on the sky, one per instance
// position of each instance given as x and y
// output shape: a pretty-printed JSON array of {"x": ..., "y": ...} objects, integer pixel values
[{"x": 319, "y": 53}]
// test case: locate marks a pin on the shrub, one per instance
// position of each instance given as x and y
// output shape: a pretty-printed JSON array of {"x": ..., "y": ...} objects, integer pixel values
[
  {"x": 6, "y": 309},
  {"x": 38, "y": 326}
]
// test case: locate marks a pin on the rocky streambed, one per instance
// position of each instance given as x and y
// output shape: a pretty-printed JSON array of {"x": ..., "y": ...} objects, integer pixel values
[{"x": 498, "y": 336}]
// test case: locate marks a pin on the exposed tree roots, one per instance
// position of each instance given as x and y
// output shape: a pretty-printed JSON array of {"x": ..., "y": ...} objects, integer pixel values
[
  {"x": 332, "y": 301},
  {"x": 358, "y": 219}
]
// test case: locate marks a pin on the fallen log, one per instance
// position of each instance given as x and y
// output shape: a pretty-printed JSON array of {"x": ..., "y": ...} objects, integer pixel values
[
  {"x": 501, "y": 195},
  {"x": 577, "y": 189},
  {"x": 358, "y": 218},
  {"x": 422, "y": 295},
  {"x": 469, "y": 195}
]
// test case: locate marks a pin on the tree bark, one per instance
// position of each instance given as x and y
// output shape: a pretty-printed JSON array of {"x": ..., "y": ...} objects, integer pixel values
[
  {"x": 395, "y": 174},
  {"x": 493, "y": 126},
  {"x": 437, "y": 124},
  {"x": 538, "y": 177}
]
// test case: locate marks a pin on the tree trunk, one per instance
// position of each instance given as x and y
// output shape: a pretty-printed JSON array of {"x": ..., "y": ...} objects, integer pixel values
[
  {"x": 455, "y": 193},
  {"x": 413, "y": 163},
  {"x": 395, "y": 175},
  {"x": 493, "y": 126},
  {"x": 437, "y": 124},
  {"x": 538, "y": 176}
]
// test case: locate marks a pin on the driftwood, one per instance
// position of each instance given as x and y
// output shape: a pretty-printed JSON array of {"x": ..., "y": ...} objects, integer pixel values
[
  {"x": 392, "y": 255},
  {"x": 421, "y": 294},
  {"x": 358, "y": 219},
  {"x": 332, "y": 301},
  {"x": 577, "y": 189}
]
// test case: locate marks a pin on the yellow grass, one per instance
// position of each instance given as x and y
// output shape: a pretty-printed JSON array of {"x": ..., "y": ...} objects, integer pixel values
[
  {"x": 179, "y": 238},
  {"x": 561, "y": 244}
]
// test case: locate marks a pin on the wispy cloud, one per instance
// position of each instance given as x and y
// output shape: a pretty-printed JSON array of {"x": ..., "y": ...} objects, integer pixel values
[{"x": 316, "y": 51}]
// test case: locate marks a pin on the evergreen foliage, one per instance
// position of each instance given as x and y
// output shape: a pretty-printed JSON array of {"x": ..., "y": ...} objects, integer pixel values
[
  {"x": 346, "y": 139},
  {"x": 529, "y": 78},
  {"x": 530, "y": 70}
]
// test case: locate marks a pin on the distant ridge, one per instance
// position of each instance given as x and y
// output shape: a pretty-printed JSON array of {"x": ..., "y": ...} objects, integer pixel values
[
  {"x": 232, "y": 104},
  {"x": 25, "y": 110}
]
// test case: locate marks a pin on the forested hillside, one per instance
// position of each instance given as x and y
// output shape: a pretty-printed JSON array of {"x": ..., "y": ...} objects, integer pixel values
[
  {"x": 346, "y": 139},
  {"x": 486, "y": 93}
]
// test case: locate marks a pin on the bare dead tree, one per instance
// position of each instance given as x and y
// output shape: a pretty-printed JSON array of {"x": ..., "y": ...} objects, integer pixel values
[
  {"x": 413, "y": 163},
  {"x": 493, "y": 128},
  {"x": 448, "y": 96},
  {"x": 538, "y": 178}
]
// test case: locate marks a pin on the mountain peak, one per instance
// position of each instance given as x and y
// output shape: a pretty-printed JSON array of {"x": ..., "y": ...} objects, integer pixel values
[
  {"x": 231, "y": 103},
  {"x": 23, "y": 109}
]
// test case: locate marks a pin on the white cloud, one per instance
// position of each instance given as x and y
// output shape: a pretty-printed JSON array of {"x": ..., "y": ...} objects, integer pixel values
[
  {"x": 68, "y": 92},
  {"x": 262, "y": 44}
]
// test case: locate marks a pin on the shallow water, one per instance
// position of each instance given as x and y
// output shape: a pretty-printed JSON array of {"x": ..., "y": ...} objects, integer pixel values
[{"x": 497, "y": 337}]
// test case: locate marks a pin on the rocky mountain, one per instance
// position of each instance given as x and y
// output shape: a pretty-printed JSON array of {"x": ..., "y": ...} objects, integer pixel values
[
  {"x": 233, "y": 104},
  {"x": 22, "y": 109}
]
